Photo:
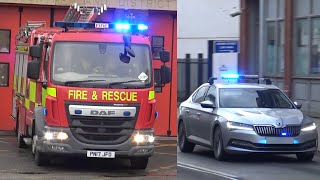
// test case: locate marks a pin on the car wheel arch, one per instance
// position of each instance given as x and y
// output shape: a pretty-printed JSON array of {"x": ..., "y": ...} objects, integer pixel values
[{"x": 215, "y": 126}]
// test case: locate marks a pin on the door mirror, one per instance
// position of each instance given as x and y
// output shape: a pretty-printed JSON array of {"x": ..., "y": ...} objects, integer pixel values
[
  {"x": 124, "y": 58},
  {"x": 164, "y": 56},
  {"x": 298, "y": 105},
  {"x": 33, "y": 69},
  {"x": 207, "y": 104},
  {"x": 35, "y": 51},
  {"x": 165, "y": 74}
]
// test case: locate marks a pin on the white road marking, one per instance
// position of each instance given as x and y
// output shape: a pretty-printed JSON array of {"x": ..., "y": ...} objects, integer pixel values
[
  {"x": 4, "y": 142},
  {"x": 208, "y": 171}
]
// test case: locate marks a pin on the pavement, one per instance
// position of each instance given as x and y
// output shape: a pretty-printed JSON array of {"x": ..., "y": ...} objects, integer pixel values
[
  {"x": 201, "y": 165},
  {"x": 19, "y": 164}
]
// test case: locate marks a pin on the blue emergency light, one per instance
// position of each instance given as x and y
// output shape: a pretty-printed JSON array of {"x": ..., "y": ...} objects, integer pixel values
[
  {"x": 120, "y": 27},
  {"x": 230, "y": 76}
]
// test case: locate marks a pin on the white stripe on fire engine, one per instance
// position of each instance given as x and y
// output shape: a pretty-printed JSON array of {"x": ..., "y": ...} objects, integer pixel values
[{"x": 102, "y": 111}]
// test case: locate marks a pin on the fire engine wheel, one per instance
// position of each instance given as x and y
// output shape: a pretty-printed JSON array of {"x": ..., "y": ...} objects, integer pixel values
[
  {"x": 21, "y": 143},
  {"x": 139, "y": 162},
  {"x": 40, "y": 158}
]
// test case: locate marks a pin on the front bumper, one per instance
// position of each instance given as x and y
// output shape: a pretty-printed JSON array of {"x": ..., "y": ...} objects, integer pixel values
[
  {"x": 244, "y": 141},
  {"x": 73, "y": 147}
]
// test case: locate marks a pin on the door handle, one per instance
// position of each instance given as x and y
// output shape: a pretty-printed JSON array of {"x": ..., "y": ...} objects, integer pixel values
[
  {"x": 198, "y": 114},
  {"x": 187, "y": 111}
]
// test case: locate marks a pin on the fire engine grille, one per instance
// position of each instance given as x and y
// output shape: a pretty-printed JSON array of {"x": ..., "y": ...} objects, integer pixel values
[
  {"x": 272, "y": 131},
  {"x": 102, "y": 130}
]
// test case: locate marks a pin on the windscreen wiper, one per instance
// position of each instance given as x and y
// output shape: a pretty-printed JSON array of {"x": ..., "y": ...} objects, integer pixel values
[
  {"x": 83, "y": 81},
  {"x": 123, "y": 82}
]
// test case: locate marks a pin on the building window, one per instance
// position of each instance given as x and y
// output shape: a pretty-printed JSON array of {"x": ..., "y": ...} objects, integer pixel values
[
  {"x": 315, "y": 49},
  {"x": 301, "y": 61},
  {"x": 271, "y": 47},
  {"x": 274, "y": 34},
  {"x": 5, "y": 36},
  {"x": 157, "y": 46},
  {"x": 4, "y": 74}
]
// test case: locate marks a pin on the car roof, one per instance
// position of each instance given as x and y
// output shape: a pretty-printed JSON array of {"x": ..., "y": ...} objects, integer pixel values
[{"x": 242, "y": 85}]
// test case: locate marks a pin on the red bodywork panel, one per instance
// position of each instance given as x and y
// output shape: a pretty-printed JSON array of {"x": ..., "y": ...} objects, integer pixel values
[
  {"x": 57, "y": 115},
  {"x": 57, "y": 112}
]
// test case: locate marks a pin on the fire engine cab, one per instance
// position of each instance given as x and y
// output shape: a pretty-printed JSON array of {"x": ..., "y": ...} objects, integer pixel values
[{"x": 88, "y": 89}]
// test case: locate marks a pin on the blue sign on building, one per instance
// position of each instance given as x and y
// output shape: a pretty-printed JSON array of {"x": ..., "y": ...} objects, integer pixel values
[{"x": 226, "y": 47}]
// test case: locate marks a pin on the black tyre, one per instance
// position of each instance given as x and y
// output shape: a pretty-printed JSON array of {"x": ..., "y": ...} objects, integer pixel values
[
  {"x": 40, "y": 158},
  {"x": 218, "y": 149},
  {"x": 305, "y": 156},
  {"x": 139, "y": 162},
  {"x": 184, "y": 144},
  {"x": 21, "y": 143}
]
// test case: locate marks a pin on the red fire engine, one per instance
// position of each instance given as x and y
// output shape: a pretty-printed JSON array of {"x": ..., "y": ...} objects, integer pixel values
[{"x": 88, "y": 88}]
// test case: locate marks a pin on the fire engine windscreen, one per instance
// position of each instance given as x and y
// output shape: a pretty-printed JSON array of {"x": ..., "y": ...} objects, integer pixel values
[{"x": 99, "y": 64}]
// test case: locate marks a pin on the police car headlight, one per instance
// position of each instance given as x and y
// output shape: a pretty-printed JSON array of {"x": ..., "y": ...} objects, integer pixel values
[
  {"x": 309, "y": 127},
  {"x": 239, "y": 126},
  {"x": 143, "y": 138},
  {"x": 55, "y": 136}
]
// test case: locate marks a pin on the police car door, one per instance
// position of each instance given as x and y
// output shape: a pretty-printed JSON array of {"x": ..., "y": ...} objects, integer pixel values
[
  {"x": 208, "y": 116},
  {"x": 195, "y": 126}
]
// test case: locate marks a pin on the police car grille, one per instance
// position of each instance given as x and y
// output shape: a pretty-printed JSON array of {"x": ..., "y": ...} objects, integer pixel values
[
  {"x": 102, "y": 130},
  {"x": 277, "y": 132}
]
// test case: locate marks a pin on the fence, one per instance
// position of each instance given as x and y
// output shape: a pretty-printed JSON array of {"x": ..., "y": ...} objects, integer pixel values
[{"x": 191, "y": 74}]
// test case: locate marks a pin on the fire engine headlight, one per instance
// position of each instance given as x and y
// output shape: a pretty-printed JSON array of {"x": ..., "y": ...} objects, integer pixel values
[
  {"x": 48, "y": 135},
  {"x": 143, "y": 138},
  {"x": 56, "y": 136}
]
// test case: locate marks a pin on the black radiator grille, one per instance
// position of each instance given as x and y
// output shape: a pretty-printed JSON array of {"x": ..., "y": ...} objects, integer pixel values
[
  {"x": 272, "y": 131},
  {"x": 102, "y": 130}
]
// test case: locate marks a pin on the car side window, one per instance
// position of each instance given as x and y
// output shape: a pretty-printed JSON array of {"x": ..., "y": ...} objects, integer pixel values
[
  {"x": 200, "y": 95},
  {"x": 211, "y": 95}
]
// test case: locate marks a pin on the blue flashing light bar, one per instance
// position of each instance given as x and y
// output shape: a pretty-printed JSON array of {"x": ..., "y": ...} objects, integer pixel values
[
  {"x": 121, "y": 27},
  {"x": 230, "y": 76},
  {"x": 142, "y": 27}
]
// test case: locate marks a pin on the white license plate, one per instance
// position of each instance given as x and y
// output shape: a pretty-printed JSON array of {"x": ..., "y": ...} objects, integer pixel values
[
  {"x": 279, "y": 140},
  {"x": 101, "y": 154}
]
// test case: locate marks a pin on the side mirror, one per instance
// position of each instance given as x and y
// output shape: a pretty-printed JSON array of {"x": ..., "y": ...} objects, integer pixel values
[
  {"x": 130, "y": 51},
  {"x": 164, "y": 56},
  {"x": 33, "y": 69},
  {"x": 124, "y": 58},
  {"x": 207, "y": 104},
  {"x": 35, "y": 51},
  {"x": 298, "y": 105},
  {"x": 165, "y": 74}
]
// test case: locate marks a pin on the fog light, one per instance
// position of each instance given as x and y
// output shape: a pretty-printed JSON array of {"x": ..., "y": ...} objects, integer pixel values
[
  {"x": 62, "y": 136},
  {"x": 48, "y": 135}
]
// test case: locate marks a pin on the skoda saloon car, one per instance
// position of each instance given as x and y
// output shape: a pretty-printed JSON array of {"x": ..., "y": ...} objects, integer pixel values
[{"x": 233, "y": 118}]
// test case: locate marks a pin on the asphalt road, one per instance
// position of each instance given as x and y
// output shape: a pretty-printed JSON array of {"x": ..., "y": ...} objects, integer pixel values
[
  {"x": 201, "y": 163},
  {"x": 18, "y": 163}
]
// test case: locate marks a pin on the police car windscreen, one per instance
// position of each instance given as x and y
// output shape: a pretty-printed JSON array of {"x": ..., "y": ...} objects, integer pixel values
[
  {"x": 253, "y": 98},
  {"x": 82, "y": 61}
]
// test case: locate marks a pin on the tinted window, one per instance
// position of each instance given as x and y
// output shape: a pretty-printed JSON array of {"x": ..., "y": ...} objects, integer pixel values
[
  {"x": 200, "y": 95},
  {"x": 211, "y": 95},
  {"x": 253, "y": 98}
]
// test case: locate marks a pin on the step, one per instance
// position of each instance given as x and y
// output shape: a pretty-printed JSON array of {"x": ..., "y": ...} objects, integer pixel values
[{"x": 28, "y": 141}]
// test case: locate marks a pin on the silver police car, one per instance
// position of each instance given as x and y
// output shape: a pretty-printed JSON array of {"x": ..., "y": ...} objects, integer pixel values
[{"x": 245, "y": 118}]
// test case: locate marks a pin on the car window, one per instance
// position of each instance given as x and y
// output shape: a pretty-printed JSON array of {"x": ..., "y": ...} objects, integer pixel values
[
  {"x": 200, "y": 95},
  {"x": 253, "y": 98},
  {"x": 211, "y": 95}
]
